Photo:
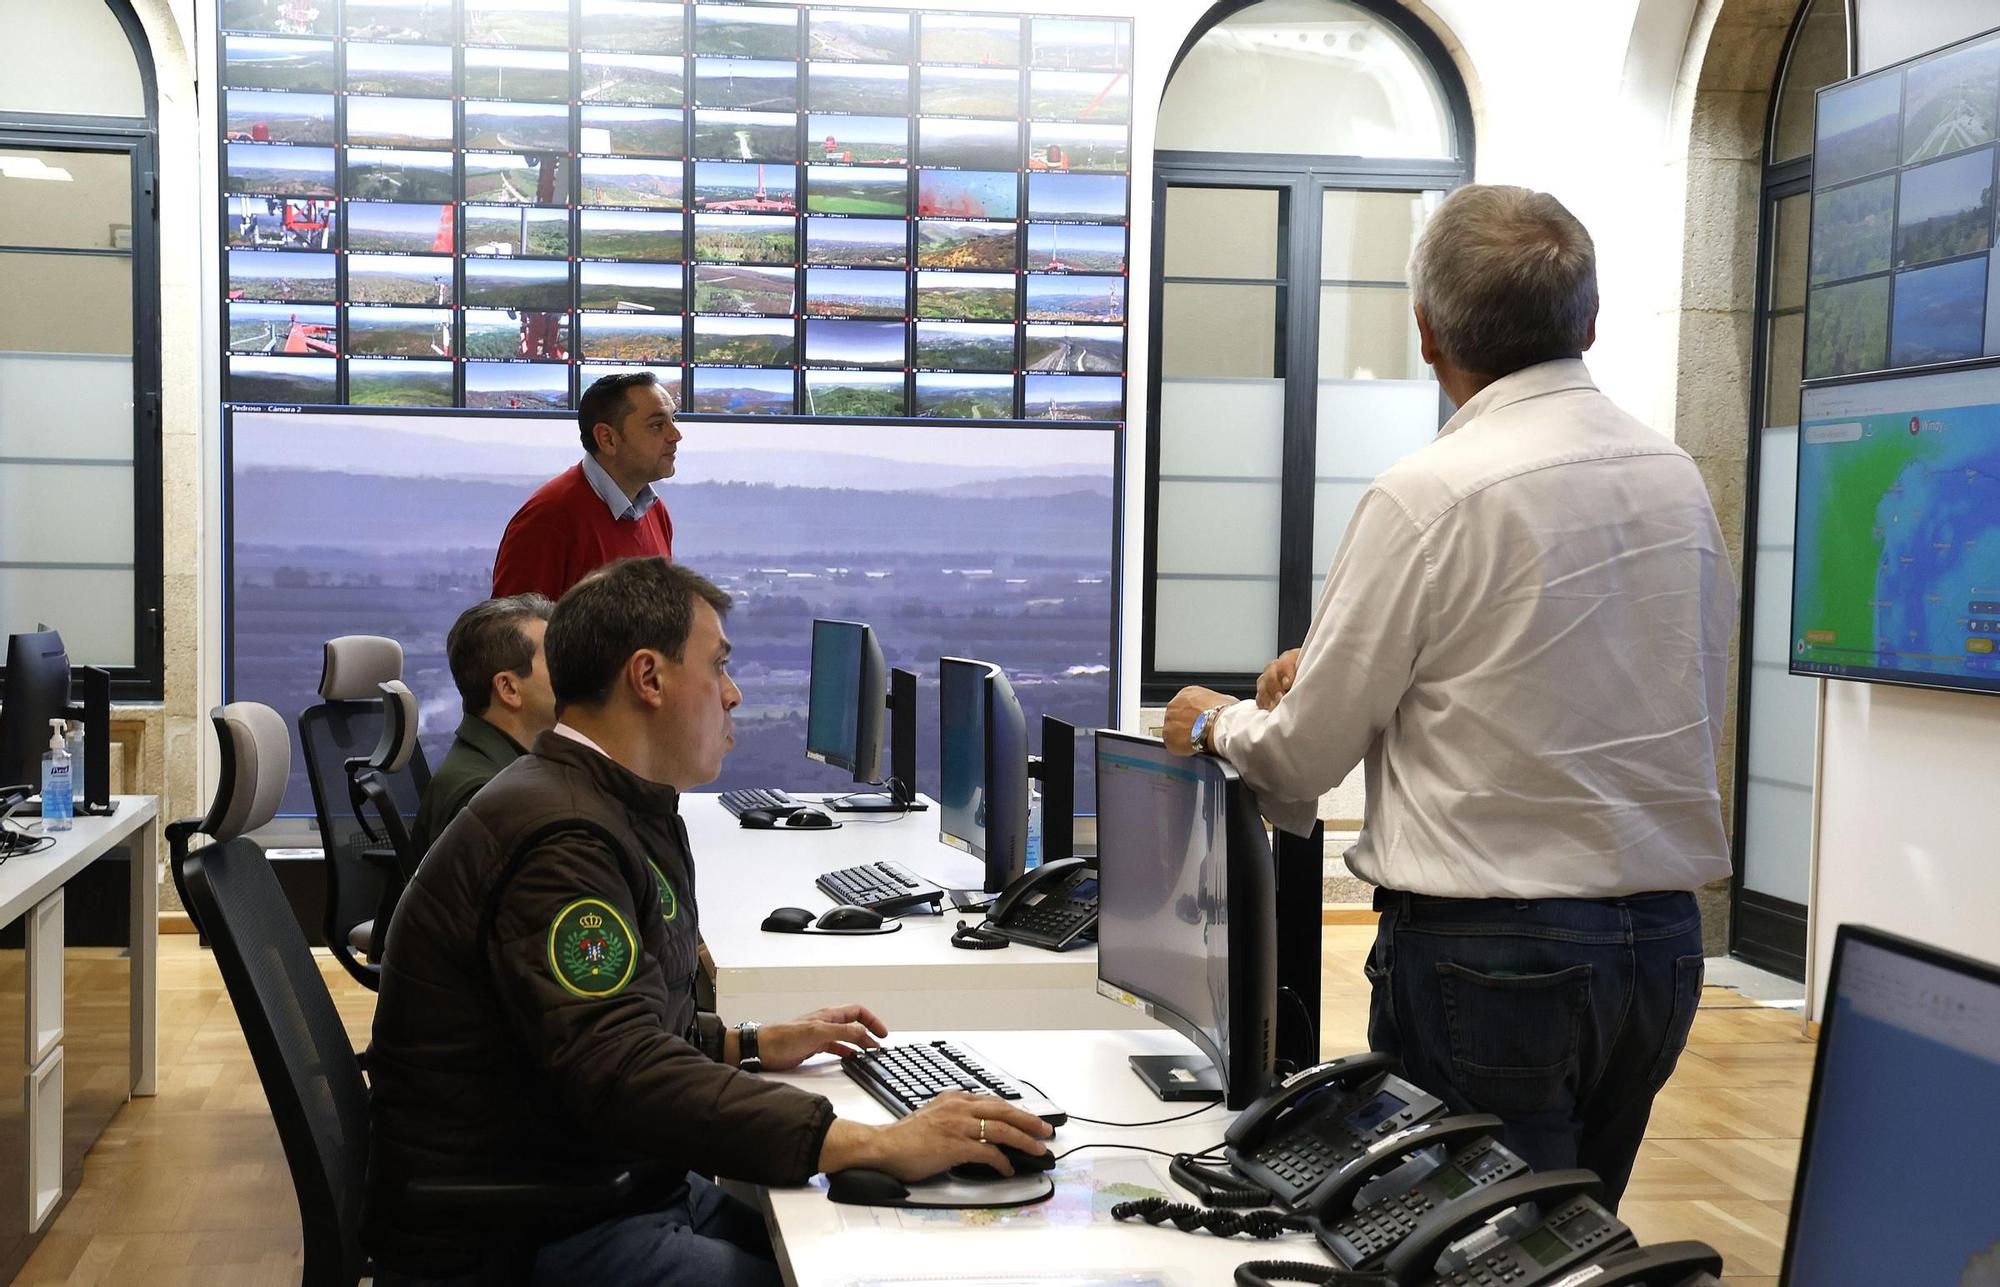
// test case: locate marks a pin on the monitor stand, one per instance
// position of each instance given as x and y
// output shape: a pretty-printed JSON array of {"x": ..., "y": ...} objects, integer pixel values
[
  {"x": 873, "y": 802},
  {"x": 1178, "y": 1079},
  {"x": 901, "y": 797}
]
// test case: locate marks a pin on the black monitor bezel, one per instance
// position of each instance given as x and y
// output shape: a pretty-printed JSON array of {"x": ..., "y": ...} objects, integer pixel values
[
  {"x": 849, "y": 759},
  {"x": 982, "y": 669},
  {"x": 30, "y": 726}
]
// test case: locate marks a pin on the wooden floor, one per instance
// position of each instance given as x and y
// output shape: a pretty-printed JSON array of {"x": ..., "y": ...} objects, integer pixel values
[{"x": 191, "y": 1187}]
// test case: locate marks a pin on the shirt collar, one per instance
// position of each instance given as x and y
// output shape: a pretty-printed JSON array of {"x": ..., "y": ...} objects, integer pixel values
[
  {"x": 488, "y": 738},
  {"x": 1528, "y": 382},
  {"x": 574, "y": 736},
  {"x": 622, "y": 507}
]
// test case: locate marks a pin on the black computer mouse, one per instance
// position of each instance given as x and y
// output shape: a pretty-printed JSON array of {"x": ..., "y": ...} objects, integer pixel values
[
  {"x": 848, "y": 917},
  {"x": 1024, "y": 1163},
  {"x": 788, "y": 920},
  {"x": 761, "y": 819},
  {"x": 809, "y": 818},
  {"x": 863, "y": 1188}
]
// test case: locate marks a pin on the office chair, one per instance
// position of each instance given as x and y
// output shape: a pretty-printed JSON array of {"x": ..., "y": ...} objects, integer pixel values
[
  {"x": 310, "y": 1075},
  {"x": 346, "y": 723},
  {"x": 369, "y": 791}
]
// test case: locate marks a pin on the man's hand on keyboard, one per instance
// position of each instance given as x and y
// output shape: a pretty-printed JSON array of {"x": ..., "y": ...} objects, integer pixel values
[
  {"x": 942, "y": 1134},
  {"x": 836, "y": 1030}
]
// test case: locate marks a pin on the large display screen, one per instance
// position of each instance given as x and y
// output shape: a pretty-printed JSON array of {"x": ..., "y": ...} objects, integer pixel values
[
  {"x": 1898, "y": 558},
  {"x": 1902, "y": 272},
  {"x": 782, "y": 210}
]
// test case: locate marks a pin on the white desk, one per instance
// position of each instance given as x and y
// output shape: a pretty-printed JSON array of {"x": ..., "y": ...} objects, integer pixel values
[
  {"x": 913, "y": 978},
  {"x": 822, "y": 1243}
]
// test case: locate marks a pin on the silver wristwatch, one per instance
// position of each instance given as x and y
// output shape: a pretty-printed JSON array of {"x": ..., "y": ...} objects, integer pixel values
[{"x": 1204, "y": 728}]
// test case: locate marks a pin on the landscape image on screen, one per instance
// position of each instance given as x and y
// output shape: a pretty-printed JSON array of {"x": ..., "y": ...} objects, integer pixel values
[
  {"x": 1858, "y": 129},
  {"x": 1940, "y": 313},
  {"x": 1847, "y": 328},
  {"x": 1945, "y": 209},
  {"x": 1852, "y": 229},
  {"x": 1952, "y": 102}
]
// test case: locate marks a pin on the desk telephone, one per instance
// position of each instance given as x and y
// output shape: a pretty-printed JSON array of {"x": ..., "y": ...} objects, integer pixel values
[{"x": 1054, "y": 906}]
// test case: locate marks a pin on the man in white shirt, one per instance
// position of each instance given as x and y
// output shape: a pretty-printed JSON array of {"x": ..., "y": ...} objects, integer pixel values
[{"x": 1524, "y": 641}]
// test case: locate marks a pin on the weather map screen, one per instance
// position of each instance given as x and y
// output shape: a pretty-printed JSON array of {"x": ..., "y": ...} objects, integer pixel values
[{"x": 1898, "y": 567}]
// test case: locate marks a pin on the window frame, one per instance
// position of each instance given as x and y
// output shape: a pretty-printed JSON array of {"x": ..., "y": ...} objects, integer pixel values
[
  {"x": 138, "y": 139},
  {"x": 1301, "y": 180}
]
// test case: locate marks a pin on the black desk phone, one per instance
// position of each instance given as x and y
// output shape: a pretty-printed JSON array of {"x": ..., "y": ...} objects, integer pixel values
[
  {"x": 1054, "y": 906},
  {"x": 1320, "y": 1128}
]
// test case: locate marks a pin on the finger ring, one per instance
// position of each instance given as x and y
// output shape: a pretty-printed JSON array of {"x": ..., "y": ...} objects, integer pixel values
[{"x": 982, "y": 1130}]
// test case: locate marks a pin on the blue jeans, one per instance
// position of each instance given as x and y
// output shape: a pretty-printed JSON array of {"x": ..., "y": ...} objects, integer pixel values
[
  {"x": 706, "y": 1239},
  {"x": 1562, "y": 1017}
]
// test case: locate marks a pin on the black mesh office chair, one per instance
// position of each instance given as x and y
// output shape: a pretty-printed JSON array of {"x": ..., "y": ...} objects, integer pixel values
[
  {"x": 346, "y": 723},
  {"x": 314, "y": 1083},
  {"x": 370, "y": 791}
]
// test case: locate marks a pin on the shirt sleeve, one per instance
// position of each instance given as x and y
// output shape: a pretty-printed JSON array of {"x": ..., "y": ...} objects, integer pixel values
[
  {"x": 1358, "y": 659},
  {"x": 591, "y": 1008}
]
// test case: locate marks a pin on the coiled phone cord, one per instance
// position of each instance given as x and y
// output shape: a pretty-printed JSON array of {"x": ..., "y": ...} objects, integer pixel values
[
  {"x": 1262, "y": 1273},
  {"x": 1221, "y": 1223}
]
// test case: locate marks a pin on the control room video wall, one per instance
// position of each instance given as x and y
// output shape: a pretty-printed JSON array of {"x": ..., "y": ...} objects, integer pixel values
[{"x": 783, "y": 210}]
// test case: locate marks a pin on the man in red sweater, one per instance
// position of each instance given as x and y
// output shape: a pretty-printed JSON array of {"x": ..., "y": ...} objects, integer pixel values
[{"x": 603, "y": 508}]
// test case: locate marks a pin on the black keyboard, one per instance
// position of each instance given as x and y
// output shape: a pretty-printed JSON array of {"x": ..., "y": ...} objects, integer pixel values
[
  {"x": 758, "y": 798},
  {"x": 885, "y": 887},
  {"x": 905, "y": 1078}
]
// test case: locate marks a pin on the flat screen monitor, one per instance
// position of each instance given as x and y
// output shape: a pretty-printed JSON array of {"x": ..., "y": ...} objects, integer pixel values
[
  {"x": 1897, "y": 573},
  {"x": 982, "y": 768},
  {"x": 36, "y": 691},
  {"x": 847, "y": 695},
  {"x": 1896, "y": 1182},
  {"x": 1187, "y": 927}
]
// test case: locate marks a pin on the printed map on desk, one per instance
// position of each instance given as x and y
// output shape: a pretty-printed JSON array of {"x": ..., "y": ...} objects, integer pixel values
[
  {"x": 1086, "y": 1190},
  {"x": 1131, "y": 1278}
]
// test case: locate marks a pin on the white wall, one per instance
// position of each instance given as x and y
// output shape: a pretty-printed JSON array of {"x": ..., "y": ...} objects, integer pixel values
[{"x": 1909, "y": 827}]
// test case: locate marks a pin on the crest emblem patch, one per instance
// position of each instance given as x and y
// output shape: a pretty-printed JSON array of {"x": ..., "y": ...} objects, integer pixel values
[{"x": 592, "y": 951}]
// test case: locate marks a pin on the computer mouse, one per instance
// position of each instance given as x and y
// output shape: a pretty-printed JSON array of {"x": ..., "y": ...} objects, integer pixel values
[
  {"x": 761, "y": 819},
  {"x": 788, "y": 920},
  {"x": 1024, "y": 1163},
  {"x": 849, "y": 917},
  {"x": 863, "y": 1188},
  {"x": 809, "y": 818}
]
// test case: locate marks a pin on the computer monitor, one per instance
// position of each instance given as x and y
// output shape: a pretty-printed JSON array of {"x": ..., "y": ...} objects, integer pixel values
[
  {"x": 1896, "y": 1181},
  {"x": 1187, "y": 906},
  {"x": 982, "y": 768},
  {"x": 36, "y": 691},
  {"x": 850, "y": 689}
]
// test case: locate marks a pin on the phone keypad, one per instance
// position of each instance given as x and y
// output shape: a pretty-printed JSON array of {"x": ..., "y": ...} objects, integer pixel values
[{"x": 1385, "y": 1224}]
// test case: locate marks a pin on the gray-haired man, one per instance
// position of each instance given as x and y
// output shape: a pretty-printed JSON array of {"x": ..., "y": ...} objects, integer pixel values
[{"x": 1524, "y": 638}]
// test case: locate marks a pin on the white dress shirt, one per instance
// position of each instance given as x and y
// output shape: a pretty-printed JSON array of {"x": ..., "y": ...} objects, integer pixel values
[
  {"x": 1525, "y": 636},
  {"x": 624, "y": 509}
]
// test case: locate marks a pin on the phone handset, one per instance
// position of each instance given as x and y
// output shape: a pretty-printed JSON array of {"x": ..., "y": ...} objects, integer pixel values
[
  {"x": 1256, "y": 1122},
  {"x": 1669, "y": 1264},
  {"x": 1046, "y": 876},
  {"x": 1482, "y": 1227},
  {"x": 1053, "y": 907},
  {"x": 1338, "y": 1193}
]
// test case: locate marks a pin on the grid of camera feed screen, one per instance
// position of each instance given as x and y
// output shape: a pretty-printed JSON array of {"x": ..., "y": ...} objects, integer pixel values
[
  {"x": 1903, "y": 220},
  {"x": 780, "y": 210}
]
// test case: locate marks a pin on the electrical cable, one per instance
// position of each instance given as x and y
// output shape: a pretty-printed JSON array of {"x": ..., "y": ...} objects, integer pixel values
[
  {"x": 1263, "y": 1224},
  {"x": 1098, "y": 1121}
]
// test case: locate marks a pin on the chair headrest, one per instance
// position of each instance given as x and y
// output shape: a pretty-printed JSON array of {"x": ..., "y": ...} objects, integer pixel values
[
  {"x": 356, "y": 664},
  {"x": 399, "y": 728},
  {"x": 256, "y": 761}
]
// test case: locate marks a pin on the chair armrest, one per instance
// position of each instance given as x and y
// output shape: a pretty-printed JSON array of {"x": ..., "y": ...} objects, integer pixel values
[
  {"x": 501, "y": 1193},
  {"x": 383, "y": 856}
]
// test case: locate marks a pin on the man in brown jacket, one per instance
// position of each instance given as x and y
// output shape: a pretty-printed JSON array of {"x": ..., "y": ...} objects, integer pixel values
[{"x": 537, "y": 1005}]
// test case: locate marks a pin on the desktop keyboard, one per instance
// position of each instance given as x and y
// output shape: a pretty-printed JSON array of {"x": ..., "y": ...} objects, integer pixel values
[
  {"x": 758, "y": 798},
  {"x": 885, "y": 887},
  {"x": 905, "y": 1078}
]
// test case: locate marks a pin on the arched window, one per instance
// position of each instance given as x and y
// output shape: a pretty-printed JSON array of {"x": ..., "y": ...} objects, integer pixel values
[
  {"x": 79, "y": 348},
  {"x": 1301, "y": 146},
  {"x": 1776, "y": 711}
]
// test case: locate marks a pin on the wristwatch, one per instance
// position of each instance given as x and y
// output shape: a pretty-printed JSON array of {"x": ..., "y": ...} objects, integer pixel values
[
  {"x": 746, "y": 1048},
  {"x": 1204, "y": 724}
]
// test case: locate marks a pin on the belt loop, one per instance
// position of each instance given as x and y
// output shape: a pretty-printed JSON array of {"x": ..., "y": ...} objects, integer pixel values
[{"x": 1409, "y": 905}]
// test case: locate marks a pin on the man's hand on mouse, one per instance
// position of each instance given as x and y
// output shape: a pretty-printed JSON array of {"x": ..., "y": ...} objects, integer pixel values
[
  {"x": 942, "y": 1134},
  {"x": 836, "y": 1030}
]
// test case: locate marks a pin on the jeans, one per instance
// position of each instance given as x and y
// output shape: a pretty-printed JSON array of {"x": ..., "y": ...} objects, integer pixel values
[
  {"x": 706, "y": 1239},
  {"x": 1562, "y": 1017}
]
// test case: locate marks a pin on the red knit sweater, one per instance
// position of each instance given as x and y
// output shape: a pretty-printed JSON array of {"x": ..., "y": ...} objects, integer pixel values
[{"x": 566, "y": 531}]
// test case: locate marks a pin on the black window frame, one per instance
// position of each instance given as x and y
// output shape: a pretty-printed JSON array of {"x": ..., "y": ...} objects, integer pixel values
[
  {"x": 1300, "y": 180},
  {"x": 138, "y": 139}
]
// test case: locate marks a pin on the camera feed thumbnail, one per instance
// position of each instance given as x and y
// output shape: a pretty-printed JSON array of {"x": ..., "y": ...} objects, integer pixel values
[
  {"x": 389, "y": 174},
  {"x": 767, "y": 292},
  {"x": 517, "y": 386},
  {"x": 746, "y": 239},
  {"x": 280, "y": 278},
  {"x": 857, "y": 190},
  {"x": 284, "y": 16},
  {"x": 297, "y": 330},
  {"x": 632, "y": 288},
  {"x": 1082, "y": 44},
  {"x": 745, "y": 341},
  {"x": 1073, "y": 397},
  {"x": 295, "y": 380},
  {"x": 854, "y": 394},
  {"x": 1081, "y": 350},
  {"x": 507, "y": 333},
  {"x": 520, "y": 231},
  {"x": 511, "y": 127},
  {"x": 862, "y": 88},
  {"x": 965, "y": 346},
  {"x": 943, "y": 243},
  {"x": 969, "y": 145},
  {"x": 966, "y": 297},
  {"x": 859, "y": 243},
  {"x": 1079, "y": 147},
  {"x": 281, "y": 223},
  {"x": 743, "y": 391},
  {"x": 751, "y": 84},
  {"x": 633, "y": 27},
  {"x": 965, "y": 397},
  {"x": 746, "y": 31},
  {"x": 634, "y": 131},
  {"x": 746, "y": 136},
  {"x": 537, "y": 24},
  {"x": 1103, "y": 98},
  {"x": 1076, "y": 248},
  {"x": 401, "y": 122},
  {"x": 630, "y": 234},
  {"x": 967, "y": 194},
  {"x": 387, "y": 382},
  {"x": 407, "y": 71},
  {"x": 524, "y": 75},
  {"x": 858, "y": 35},
  {"x": 541, "y": 285},
  {"x": 273, "y": 169},
  {"x": 519, "y": 178},
  {"x": 626, "y": 337},
  {"x": 858, "y": 140},
  {"x": 856, "y": 292},
  {"x": 421, "y": 21},
  {"x": 976, "y": 40},
  {"x": 399, "y": 229},
  {"x": 970, "y": 91},
  {"x": 271, "y": 62},
  {"x": 266, "y": 116},
  {"x": 399, "y": 332},
  {"x": 624, "y": 181},
  {"x": 399, "y": 279},
  {"x": 1077, "y": 198},
  {"x": 636, "y": 79},
  {"x": 746, "y": 187},
  {"x": 1063, "y": 298}
]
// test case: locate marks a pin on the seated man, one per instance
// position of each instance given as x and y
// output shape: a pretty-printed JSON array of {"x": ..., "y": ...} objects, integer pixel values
[
  {"x": 495, "y": 652},
  {"x": 537, "y": 1004}
]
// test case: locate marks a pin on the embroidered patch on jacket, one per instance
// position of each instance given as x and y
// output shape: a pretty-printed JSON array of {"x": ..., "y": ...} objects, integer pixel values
[
  {"x": 669, "y": 905},
  {"x": 592, "y": 951}
]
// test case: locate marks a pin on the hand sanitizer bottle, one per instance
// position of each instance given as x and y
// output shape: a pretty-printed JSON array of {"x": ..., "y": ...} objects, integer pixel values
[
  {"x": 56, "y": 798},
  {"x": 73, "y": 743},
  {"x": 1033, "y": 855}
]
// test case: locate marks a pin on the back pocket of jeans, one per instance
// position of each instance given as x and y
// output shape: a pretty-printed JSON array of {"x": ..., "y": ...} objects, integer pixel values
[
  {"x": 1515, "y": 1038},
  {"x": 1687, "y": 1001}
]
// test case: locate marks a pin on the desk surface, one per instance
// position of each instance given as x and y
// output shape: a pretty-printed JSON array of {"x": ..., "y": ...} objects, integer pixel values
[
  {"x": 912, "y": 978},
  {"x": 822, "y": 1244},
  {"x": 26, "y": 879}
]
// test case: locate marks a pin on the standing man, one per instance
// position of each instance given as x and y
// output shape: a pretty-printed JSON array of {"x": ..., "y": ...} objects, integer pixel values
[
  {"x": 1524, "y": 638},
  {"x": 604, "y": 507},
  {"x": 495, "y": 652}
]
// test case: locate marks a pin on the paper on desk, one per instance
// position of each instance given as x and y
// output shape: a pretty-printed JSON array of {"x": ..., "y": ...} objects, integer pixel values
[
  {"x": 1086, "y": 1190},
  {"x": 1126, "y": 1278}
]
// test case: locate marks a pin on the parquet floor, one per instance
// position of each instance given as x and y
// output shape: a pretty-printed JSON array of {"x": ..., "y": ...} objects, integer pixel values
[{"x": 191, "y": 1188}]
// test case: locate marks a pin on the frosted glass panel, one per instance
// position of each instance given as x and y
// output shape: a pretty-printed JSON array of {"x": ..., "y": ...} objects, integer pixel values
[
  {"x": 1365, "y": 426},
  {"x": 65, "y": 304},
  {"x": 92, "y": 609},
  {"x": 1227, "y": 428},
  {"x": 1368, "y": 333},
  {"x": 1777, "y": 485},
  {"x": 67, "y": 56},
  {"x": 65, "y": 513},
  {"x": 1781, "y": 730},
  {"x": 76, "y": 200},
  {"x": 1215, "y": 625},
  {"x": 1777, "y": 841},
  {"x": 1771, "y": 630},
  {"x": 1221, "y": 232},
  {"x": 1312, "y": 77},
  {"x": 1219, "y": 330},
  {"x": 1227, "y": 529},
  {"x": 40, "y": 414},
  {"x": 1367, "y": 236}
]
